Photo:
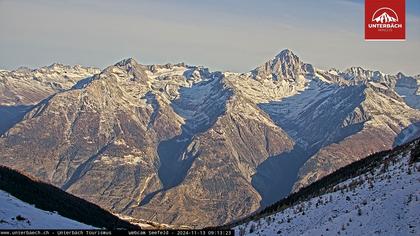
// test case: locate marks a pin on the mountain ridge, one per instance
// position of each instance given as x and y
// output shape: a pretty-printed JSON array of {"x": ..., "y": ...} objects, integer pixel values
[{"x": 114, "y": 138}]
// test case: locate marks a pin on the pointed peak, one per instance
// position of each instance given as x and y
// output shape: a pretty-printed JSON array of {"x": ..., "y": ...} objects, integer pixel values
[
  {"x": 129, "y": 61},
  {"x": 288, "y": 57},
  {"x": 286, "y": 53},
  {"x": 134, "y": 70},
  {"x": 285, "y": 65}
]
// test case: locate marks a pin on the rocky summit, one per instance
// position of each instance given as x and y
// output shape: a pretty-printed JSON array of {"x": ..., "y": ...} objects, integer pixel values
[{"x": 183, "y": 145}]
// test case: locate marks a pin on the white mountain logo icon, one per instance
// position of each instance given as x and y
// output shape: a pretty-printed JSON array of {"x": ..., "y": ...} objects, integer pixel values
[{"x": 385, "y": 15}]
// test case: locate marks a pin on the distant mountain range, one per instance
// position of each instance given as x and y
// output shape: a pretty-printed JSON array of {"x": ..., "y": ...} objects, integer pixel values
[{"x": 182, "y": 145}]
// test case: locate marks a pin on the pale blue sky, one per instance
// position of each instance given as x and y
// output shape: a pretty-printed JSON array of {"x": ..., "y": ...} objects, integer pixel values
[{"x": 234, "y": 35}]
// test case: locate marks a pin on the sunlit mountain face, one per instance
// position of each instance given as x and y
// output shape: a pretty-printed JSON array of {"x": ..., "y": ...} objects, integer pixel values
[{"x": 182, "y": 145}]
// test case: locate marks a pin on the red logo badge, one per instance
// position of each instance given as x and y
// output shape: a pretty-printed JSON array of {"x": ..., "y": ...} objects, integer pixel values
[{"x": 384, "y": 19}]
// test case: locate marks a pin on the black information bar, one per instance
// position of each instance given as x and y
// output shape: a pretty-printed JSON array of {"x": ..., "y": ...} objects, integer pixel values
[{"x": 118, "y": 232}]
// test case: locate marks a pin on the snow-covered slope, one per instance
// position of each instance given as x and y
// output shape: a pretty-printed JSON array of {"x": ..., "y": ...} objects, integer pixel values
[
  {"x": 382, "y": 201},
  {"x": 16, "y": 214}
]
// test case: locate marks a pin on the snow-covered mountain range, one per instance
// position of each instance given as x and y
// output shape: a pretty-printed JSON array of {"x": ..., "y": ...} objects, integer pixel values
[
  {"x": 182, "y": 145},
  {"x": 26, "y": 86}
]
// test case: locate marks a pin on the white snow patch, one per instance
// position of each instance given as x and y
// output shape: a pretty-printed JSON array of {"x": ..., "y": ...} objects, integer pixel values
[{"x": 33, "y": 218}]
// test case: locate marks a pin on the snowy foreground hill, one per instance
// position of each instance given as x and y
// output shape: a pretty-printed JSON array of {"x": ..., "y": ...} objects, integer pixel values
[
  {"x": 384, "y": 200},
  {"x": 16, "y": 214},
  {"x": 27, "y": 203}
]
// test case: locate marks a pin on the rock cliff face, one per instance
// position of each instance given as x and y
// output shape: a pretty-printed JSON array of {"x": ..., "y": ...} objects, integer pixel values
[{"x": 182, "y": 145}]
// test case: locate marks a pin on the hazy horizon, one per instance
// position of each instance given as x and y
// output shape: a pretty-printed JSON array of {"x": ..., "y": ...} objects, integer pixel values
[{"x": 230, "y": 36}]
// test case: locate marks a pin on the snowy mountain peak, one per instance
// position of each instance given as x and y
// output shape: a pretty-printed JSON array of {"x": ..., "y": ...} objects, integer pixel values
[
  {"x": 284, "y": 66},
  {"x": 55, "y": 65},
  {"x": 356, "y": 71},
  {"x": 129, "y": 68},
  {"x": 287, "y": 58},
  {"x": 287, "y": 55},
  {"x": 127, "y": 62},
  {"x": 360, "y": 74}
]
